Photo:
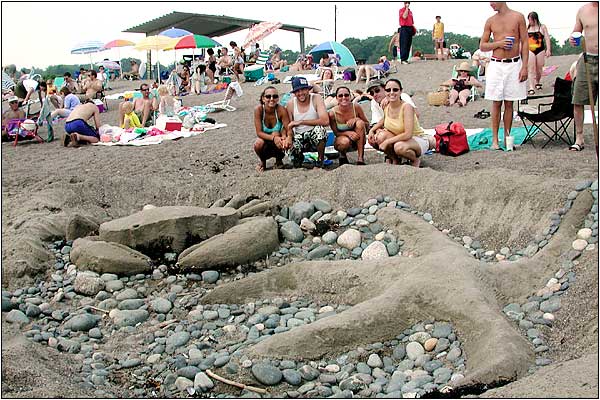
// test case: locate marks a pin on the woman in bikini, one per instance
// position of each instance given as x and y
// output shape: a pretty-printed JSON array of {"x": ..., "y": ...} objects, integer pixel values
[
  {"x": 461, "y": 85},
  {"x": 399, "y": 134},
  {"x": 212, "y": 65},
  {"x": 539, "y": 49},
  {"x": 348, "y": 122},
  {"x": 270, "y": 121}
]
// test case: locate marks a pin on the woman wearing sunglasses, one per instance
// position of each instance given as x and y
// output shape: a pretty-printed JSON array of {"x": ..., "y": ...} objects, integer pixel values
[
  {"x": 399, "y": 134},
  {"x": 348, "y": 122},
  {"x": 271, "y": 121}
]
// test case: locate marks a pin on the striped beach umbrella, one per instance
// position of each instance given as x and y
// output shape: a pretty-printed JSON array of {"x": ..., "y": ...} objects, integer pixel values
[
  {"x": 193, "y": 42},
  {"x": 88, "y": 47},
  {"x": 260, "y": 31}
]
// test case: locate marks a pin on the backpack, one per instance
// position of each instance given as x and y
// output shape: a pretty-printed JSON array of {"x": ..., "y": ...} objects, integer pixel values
[
  {"x": 451, "y": 139},
  {"x": 349, "y": 74}
]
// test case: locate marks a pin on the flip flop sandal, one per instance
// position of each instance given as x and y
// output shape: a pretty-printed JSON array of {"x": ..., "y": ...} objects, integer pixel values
[
  {"x": 538, "y": 86},
  {"x": 531, "y": 92},
  {"x": 360, "y": 163},
  {"x": 576, "y": 147}
]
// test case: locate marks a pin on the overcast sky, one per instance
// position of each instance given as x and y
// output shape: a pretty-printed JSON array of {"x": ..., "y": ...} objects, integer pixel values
[{"x": 56, "y": 27}]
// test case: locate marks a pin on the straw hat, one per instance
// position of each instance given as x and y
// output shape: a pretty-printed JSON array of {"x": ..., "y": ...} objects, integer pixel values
[{"x": 464, "y": 66}]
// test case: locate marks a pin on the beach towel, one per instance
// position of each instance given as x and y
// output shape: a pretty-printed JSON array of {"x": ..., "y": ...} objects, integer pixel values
[
  {"x": 157, "y": 139},
  {"x": 483, "y": 140},
  {"x": 549, "y": 69}
]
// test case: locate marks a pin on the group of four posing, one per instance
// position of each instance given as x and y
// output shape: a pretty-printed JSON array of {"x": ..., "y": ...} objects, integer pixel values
[{"x": 300, "y": 126}]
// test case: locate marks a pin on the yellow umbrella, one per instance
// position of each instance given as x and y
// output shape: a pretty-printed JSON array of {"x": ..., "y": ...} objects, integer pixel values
[{"x": 156, "y": 42}]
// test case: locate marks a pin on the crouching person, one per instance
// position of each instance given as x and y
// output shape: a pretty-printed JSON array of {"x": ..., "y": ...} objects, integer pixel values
[
  {"x": 308, "y": 119},
  {"x": 77, "y": 129},
  {"x": 271, "y": 121}
]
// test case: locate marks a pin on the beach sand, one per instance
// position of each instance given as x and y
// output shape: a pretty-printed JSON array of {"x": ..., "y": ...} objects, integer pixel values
[{"x": 480, "y": 194}]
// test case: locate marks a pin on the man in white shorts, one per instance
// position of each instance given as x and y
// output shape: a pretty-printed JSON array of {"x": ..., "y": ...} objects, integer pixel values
[{"x": 506, "y": 75}]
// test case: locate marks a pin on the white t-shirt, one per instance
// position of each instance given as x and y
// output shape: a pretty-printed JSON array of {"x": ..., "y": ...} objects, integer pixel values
[
  {"x": 101, "y": 76},
  {"x": 377, "y": 111}
]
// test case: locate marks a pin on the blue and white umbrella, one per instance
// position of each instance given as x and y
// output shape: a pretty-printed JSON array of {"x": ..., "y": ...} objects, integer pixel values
[
  {"x": 88, "y": 47},
  {"x": 175, "y": 33}
]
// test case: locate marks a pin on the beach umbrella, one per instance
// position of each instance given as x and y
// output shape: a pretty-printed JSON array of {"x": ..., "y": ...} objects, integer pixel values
[
  {"x": 175, "y": 33},
  {"x": 193, "y": 42},
  {"x": 156, "y": 42},
  {"x": 331, "y": 47},
  {"x": 88, "y": 47},
  {"x": 109, "y": 64},
  {"x": 7, "y": 82},
  {"x": 118, "y": 43},
  {"x": 260, "y": 31}
]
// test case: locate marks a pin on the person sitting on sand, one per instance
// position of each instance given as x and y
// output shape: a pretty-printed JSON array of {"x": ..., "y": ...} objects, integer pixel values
[
  {"x": 92, "y": 86},
  {"x": 369, "y": 70},
  {"x": 271, "y": 121},
  {"x": 78, "y": 131},
  {"x": 325, "y": 81},
  {"x": 308, "y": 118},
  {"x": 70, "y": 101},
  {"x": 185, "y": 79},
  {"x": 199, "y": 79},
  {"x": 461, "y": 85},
  {"x": 130, "y": 119},
  {"x": 167, "y": 103},
  {"x": 141, "y": 106},
  {"x": 401, "y": 136},
  {"x": 13, "y": 113},
  {"x": 276, "y": 60},
  {"x": 348, "y": 123}
]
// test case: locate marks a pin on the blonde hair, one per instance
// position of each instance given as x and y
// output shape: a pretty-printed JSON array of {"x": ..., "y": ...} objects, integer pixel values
[
  {"x": 127, "y": 107},
  {"x": 163, "y": 90}
]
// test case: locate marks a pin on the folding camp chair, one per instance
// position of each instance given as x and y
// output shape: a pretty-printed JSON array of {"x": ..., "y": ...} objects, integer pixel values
[
  {"x": 474, "y": 72},
  {"x": 15, "y": 129},
  {"x": 234, "y": 89},
  {"x": 554, "y": 122}
]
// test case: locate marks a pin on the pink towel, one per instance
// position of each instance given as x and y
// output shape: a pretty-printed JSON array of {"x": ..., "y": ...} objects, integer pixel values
[{"x": 549, "y": 69}]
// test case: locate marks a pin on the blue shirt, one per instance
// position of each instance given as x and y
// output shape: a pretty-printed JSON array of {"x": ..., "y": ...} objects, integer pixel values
[{"x": 71, "y": 101}]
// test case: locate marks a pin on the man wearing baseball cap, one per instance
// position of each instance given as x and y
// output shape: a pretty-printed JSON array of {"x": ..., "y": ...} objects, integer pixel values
[
  {"x": 13, "y": 113},
  {"x": 308, "y": 119}
]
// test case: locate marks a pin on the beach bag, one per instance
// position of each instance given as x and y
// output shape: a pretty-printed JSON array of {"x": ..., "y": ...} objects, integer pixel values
[
  {"x": 451, "y": 139},
  {"x": 438, "y": 98},
  {"x": 349, "y": 74}
]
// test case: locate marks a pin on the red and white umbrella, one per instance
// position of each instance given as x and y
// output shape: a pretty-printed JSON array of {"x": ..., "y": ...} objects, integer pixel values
[{"x": 260, "y": 31}]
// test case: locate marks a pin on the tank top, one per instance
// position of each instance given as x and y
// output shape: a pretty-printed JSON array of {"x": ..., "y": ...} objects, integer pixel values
[
  {"x": 342, "y": 127},
  {"x": 311, "y": 113},
  {"x": 438, "y": 30},
  {"x": 276, "y": 128},
  {"x": 396, "y": 125}
]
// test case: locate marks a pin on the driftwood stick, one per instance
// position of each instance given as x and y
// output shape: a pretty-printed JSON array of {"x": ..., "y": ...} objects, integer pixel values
[
  {"x": 236, "y": 384},
  {"x": 166, "y": 323},
  {"x": 97, "y": 309}
]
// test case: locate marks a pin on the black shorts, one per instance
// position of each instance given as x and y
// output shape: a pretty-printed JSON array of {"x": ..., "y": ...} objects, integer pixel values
[{"x": 394, "y": 52}]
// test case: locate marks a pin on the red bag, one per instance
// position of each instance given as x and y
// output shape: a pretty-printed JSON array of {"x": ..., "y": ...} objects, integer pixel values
[{"x": 451, "y": 139}]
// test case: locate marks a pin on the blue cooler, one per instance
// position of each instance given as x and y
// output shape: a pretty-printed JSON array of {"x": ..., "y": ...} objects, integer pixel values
[{"x": 253, "y": 73}]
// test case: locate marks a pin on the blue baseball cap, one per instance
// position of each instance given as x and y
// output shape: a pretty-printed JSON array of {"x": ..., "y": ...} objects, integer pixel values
[{"x": 299, "y": 82}]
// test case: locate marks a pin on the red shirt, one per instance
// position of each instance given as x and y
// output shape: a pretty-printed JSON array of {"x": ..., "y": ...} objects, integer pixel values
[{"x": 408, "y": 21}]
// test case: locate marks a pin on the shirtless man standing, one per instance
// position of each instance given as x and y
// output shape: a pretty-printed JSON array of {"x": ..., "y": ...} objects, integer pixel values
[
  {"x": 586, "y": 22},
  {"x": 76, "y": 127},
  {"x": 506, "y": 73}
]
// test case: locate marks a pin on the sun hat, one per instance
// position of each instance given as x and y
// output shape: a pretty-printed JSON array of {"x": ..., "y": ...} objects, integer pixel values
[
  {"x": 464, "y": 66},
  {"x": 13, "y": 98},
  {"x": 374, "y": 83},
  {"x": 299, "y": 82}
]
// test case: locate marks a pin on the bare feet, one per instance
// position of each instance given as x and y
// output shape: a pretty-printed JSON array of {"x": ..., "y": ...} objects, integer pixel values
[
  {"x": 417, "y": 163},
  {"x": 260, "y": 167}
]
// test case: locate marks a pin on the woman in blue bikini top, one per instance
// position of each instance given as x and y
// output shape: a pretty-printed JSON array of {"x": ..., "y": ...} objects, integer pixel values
[{"x": 270, "y": 121}]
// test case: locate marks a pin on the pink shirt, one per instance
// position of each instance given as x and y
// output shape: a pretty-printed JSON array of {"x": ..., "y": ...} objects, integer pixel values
[{"x": 408, "y": 21}]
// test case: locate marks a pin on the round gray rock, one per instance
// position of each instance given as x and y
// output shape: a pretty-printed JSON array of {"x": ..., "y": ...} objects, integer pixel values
[{"x": 267, "y": 374}]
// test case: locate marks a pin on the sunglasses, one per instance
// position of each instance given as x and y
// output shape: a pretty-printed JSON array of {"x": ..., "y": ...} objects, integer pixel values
[
  {"x": 373, "y": 91},
  {"x": 343, "y": 95},
  {"x": 395, "y": 89},
  {"x": 145, "y": 90},
  {"x": 271, "y": 96}
]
